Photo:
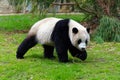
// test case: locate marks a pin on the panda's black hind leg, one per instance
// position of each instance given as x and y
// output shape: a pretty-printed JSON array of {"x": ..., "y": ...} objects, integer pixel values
[
  {"x": 48, "y": 51},
  {"x": 27, "y": 43}
]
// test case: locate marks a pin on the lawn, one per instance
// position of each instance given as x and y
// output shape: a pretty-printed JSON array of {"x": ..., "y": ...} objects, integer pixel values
[
  {"x": 24, "y": 22},
  {"x": 103, "y": 62}
]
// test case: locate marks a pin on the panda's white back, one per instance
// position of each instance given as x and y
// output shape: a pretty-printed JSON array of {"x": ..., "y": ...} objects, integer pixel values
[{"x": 43, "y": 30}]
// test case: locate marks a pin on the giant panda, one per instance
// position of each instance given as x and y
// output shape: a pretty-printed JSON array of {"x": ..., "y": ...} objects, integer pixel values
[{"x": 62, "y": 34}]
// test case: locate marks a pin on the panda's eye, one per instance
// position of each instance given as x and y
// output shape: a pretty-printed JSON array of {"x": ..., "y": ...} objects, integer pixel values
[
  {"x": 79, "y": 41},
  {"x": 86, "y": 41}
]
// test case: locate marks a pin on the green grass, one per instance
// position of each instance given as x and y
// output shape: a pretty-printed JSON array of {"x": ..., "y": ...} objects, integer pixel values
[
  {"x": 17, "y": 22},
  {"x": 103, "y": 62},
  {"x": 24, "y": 22}
]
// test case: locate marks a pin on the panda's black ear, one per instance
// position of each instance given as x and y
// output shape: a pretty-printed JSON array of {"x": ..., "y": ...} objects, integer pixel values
[
  {"x": 88, "y": 30},
  {"x": 75, "y": 30}
]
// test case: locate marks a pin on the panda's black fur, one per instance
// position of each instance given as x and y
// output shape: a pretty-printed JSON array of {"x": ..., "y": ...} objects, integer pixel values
[{"x": 61, "y": 41}]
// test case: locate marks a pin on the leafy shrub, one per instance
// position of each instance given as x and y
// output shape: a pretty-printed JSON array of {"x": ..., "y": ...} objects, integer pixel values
[
  {"x": 98, "y": 40},
  {"x": 17, "y": 4},
  {"x": 109, "y": 29}
]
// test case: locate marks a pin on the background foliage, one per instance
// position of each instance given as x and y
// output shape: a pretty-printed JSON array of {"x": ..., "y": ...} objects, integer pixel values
[
  {"x": 36, "y": 5},
  {"x": 17, "y": 5},
  {"x": 99, "y": 7},
  {"x": 109, "y": 29}
]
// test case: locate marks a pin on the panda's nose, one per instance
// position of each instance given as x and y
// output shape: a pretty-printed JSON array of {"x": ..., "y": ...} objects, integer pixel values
[
  {"x": 82, "y": 46},
  {"x": 82, "y": 49}
]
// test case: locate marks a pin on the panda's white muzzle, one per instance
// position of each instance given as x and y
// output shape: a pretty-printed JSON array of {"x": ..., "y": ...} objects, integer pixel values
[{"x": 82, "y": 46}]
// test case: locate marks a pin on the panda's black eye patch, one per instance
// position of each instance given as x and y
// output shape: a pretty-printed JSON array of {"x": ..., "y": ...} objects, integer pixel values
[
  {"x": 79, "y": 41},
  {"x": 75, "y": 30},
  {"x": 86, "y": 42}
]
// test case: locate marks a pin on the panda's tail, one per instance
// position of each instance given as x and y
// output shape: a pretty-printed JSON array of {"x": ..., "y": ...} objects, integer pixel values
[{"x": 27, "y": 43}]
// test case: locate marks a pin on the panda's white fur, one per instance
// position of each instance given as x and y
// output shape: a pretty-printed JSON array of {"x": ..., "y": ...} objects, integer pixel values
[{"x": 44, "y": 28}]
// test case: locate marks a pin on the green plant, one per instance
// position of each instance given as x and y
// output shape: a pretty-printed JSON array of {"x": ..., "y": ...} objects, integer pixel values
[
  {"x": 109, "y": 29},
  {"x": 17, "y": 4},
  {"x": 98, "y": 40},
  {"x": 40, "y": 7}
]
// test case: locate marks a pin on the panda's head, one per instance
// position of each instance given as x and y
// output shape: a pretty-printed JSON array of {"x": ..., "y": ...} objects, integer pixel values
[{"x": 79, "y": 35}]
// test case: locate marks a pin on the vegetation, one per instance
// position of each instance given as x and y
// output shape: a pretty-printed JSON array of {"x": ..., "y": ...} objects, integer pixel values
[
  {"x": 24, "y": 22},
  {"x": 17, "y": 22},
  {"x": 98, "y": 8},
  {"x": 17, "y": 5},
  {"x": 37, "y": 5},
  {"x": 109, "y": 29}
]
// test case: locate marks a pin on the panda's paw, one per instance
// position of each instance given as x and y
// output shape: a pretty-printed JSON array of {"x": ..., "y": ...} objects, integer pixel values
[
  {"x": 82, "y": 56},
  {"x": 64, "y": 60},
  {"x": 50, "y": 57},
  {"x": 18, "y": 57}
]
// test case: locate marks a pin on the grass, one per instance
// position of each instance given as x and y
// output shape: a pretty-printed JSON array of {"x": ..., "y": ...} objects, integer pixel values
[
  {"x": 24, "y": 22},
  {"x": 103, "y": 62},
  {"x": 17, "y": 22}
]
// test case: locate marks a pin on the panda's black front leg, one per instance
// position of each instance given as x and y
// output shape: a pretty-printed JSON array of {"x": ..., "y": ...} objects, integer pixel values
[
  {"x": 62, "y": 54},
  {"x": 61, "y": 50},
  {"x": 77, "y": 53}
]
